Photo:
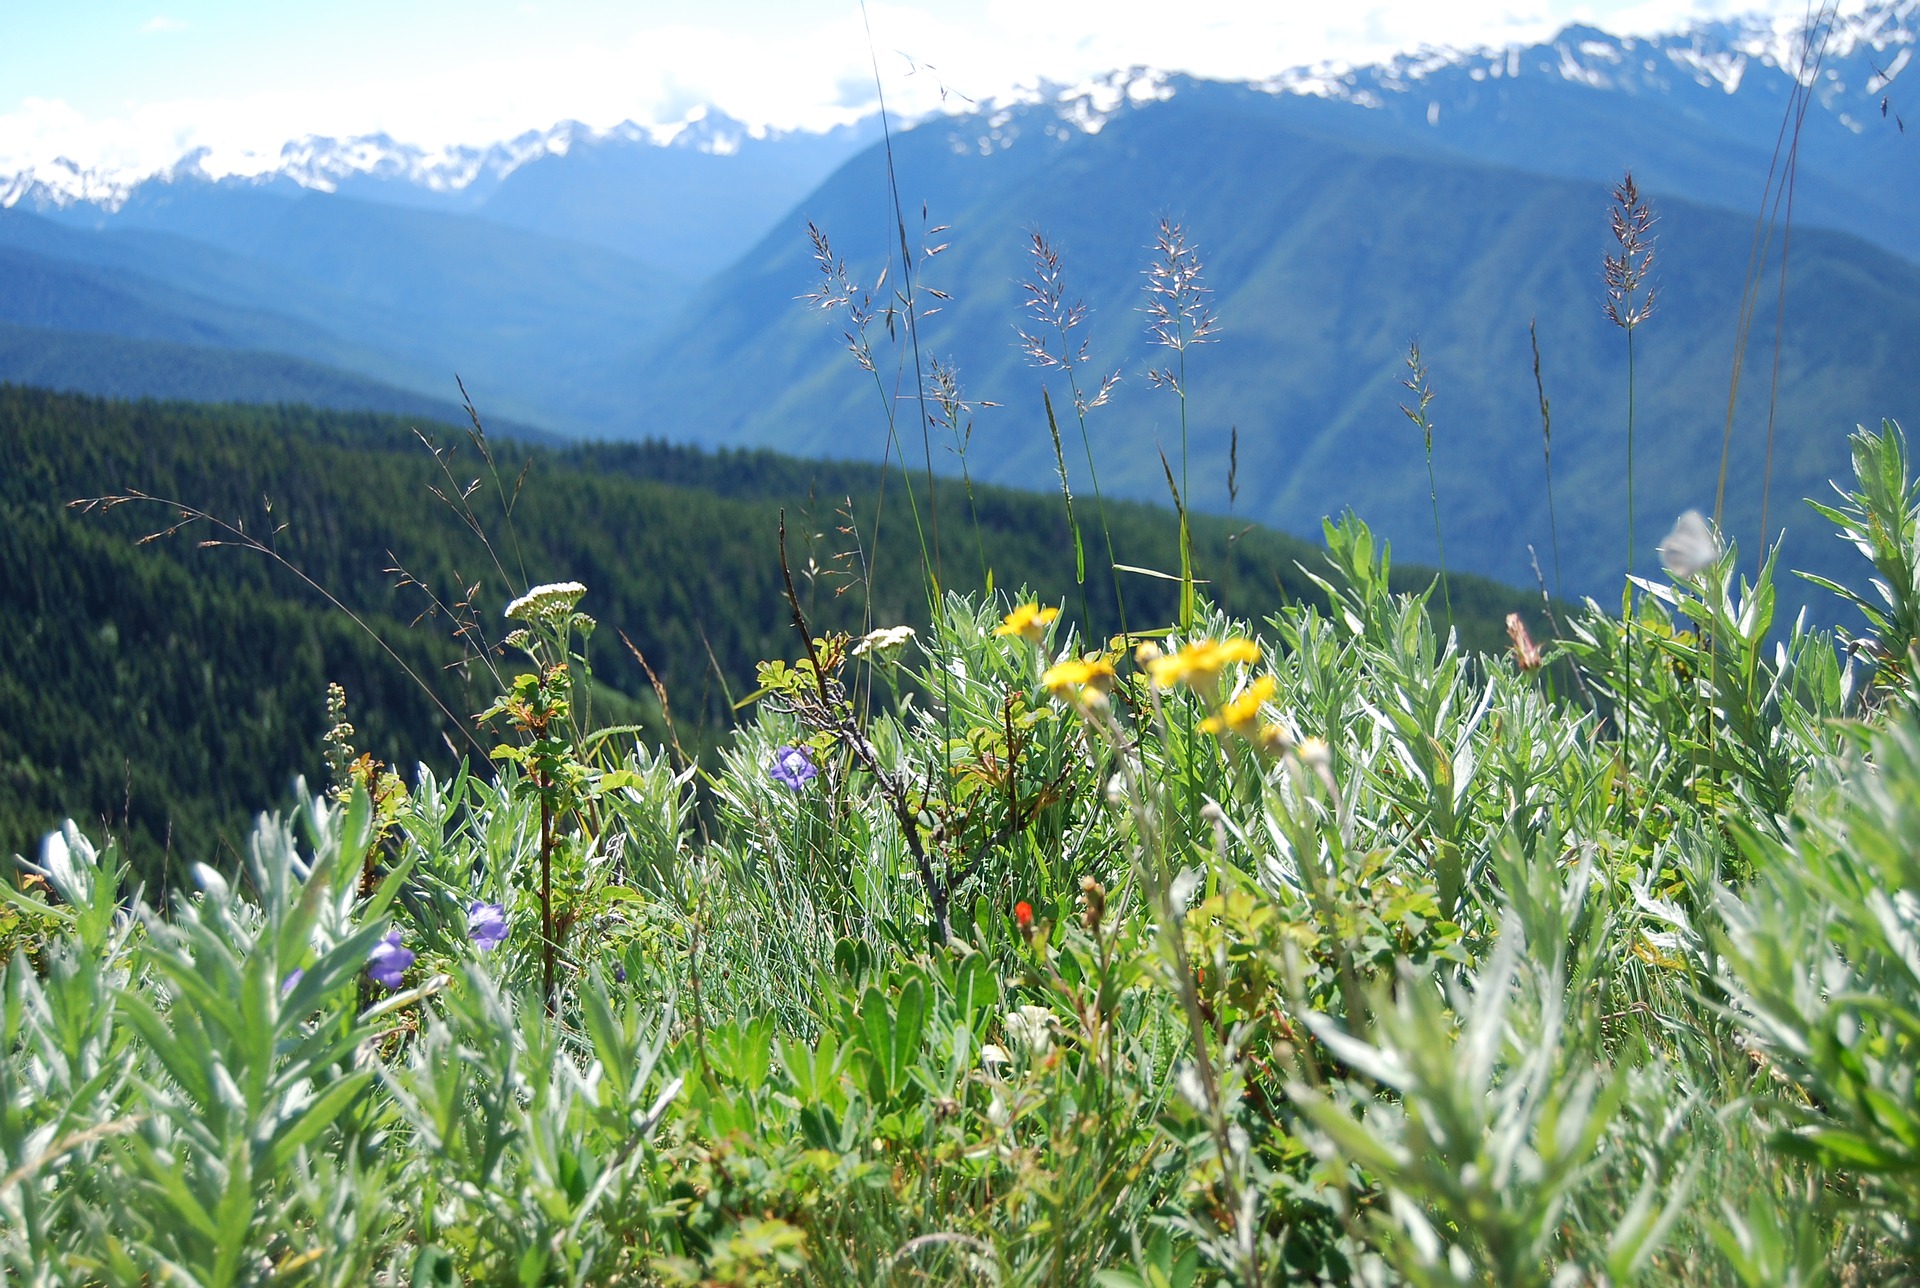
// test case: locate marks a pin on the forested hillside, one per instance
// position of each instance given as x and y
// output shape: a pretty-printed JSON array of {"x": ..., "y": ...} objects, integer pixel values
[{"x": 172, "y": 689}]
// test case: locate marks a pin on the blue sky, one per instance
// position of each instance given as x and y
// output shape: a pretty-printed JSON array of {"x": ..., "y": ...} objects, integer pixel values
[{"x": 117, "y": 84}]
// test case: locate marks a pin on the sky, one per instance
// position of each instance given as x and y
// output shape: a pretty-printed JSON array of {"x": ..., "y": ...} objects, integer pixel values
[{"x": 134, "y": 85}]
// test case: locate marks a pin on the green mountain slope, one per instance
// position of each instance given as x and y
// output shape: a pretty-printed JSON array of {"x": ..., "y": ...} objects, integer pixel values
[
  {"x": 1326, "y": 255},
  {"x": 116, "y": 366},
  {"x": 170, "y": 689}
]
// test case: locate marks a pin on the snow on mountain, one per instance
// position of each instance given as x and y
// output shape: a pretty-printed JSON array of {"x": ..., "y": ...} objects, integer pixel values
[
  {"x": 1850, "y": 65},
  {"x": 458, "y": 174},
  {"x": 1857, "y": 55},
  {"x": 1863, "y": 52}
]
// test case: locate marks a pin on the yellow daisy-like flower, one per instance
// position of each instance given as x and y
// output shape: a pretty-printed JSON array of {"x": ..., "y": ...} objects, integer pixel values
[
  {"x": 1029, "y": 622},
  {"x": 1199, "y": 664},
  {"x": 1080, "y": 683},
  {"x": 1241, "y": 714}
]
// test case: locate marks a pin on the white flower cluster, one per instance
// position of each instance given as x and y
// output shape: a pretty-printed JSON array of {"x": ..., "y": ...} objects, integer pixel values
[
  {"x": 543, "y": 603},
  {"x": 884, "y": 640}
]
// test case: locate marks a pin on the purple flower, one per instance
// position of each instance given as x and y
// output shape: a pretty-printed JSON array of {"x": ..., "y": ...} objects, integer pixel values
[
  {"x": 486, "y": 925},
  {"x": 389, "y": 961},
  {"x": 619, "y": 973},
  {"x": 792, "y": 767},
  {"x": 292, "y": 979}
]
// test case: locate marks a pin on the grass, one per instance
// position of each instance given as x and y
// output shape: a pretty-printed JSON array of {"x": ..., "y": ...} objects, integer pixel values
[{"x": 1170, "y": 1027}]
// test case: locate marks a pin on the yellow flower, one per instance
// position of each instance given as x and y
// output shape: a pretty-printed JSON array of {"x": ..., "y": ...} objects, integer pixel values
[
  {"x": 1029, "y": 622},
  {"x": 1198, "y": 665},
  {"x": 1081, "y": 683},
  {"x": 1241, "y": 714}
]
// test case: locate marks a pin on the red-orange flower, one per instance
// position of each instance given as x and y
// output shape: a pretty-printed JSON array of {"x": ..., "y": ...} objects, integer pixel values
[{"x": 1023, "y": 916}]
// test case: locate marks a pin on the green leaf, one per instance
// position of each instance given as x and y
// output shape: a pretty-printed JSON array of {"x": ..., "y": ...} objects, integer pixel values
[
  {"x": 314, "y": 1118},
  {"x": 433, "y": 1268}
]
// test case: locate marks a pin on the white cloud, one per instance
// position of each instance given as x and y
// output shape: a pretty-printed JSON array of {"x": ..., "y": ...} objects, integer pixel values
[{"x": 160, "y": 22}]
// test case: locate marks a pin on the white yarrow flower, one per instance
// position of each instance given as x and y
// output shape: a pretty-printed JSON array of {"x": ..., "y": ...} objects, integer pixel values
[
  {"x": 884, "y": 640},
  {"x": 1032, "y": 1028},
  {"x": 548, "y": 601}
]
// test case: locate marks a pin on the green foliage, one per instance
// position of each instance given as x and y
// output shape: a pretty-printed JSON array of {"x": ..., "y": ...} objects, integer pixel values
[
  {"x": 1882, "y": 521},
  {"x": 169, "y": 691},
  {"x": 1358, "y": 960},
  {"x": 1824, "y": 973}
]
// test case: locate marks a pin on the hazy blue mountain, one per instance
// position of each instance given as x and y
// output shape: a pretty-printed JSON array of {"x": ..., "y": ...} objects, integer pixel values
[
  {"x": 697, "y": 203},
  {"x": 409, "y": 297},
  {"x": 693, "y": 199},
  {"x": 1327, "y": 252}
]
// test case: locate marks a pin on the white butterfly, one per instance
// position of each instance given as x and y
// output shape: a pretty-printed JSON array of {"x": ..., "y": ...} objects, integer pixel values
[{"x": 1691, "y": 546}]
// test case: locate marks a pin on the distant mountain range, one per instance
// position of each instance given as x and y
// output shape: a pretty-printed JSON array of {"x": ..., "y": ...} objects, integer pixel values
[
  {"x": 1327, "y": 255},
  {"x": 627, "y": 283},
  {"x": 692, "y": 197}
]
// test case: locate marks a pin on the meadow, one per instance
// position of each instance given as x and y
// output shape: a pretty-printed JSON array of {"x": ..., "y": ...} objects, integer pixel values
[{"x": 1010, "y": 946}]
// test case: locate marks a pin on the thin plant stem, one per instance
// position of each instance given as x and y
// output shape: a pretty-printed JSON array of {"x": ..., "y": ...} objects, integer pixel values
[
  {"x": 1630, "y": 299},
  {"x": 1546, "y": 451},
  {"x": 1417, "y": 383},
  {"x": 1179, "y": 318},
  {"x": 1626, "y": 609},
  {"x": 1099, "y": 503},
  {"x": 1439, "y": 545},
  {"x": 911, "y": 312},
  {"x": 546, "y": 896},
  {"x": 1073, "y": 525},
  {"x": 1048, "y": 302}
]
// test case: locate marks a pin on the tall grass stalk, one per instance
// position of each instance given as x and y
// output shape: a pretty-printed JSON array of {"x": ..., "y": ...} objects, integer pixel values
[
  {"x": 1421, "y": 387},
  {"x": 909, "y": 312},
  {"x": 1776, "y": 209},
  {"x": 1066, "y": 496},
  {"x": 838, "y": 292},
  {"x": 1546, "y": 451},
  {"x": 1629, "y": 303},
  {"x": 1047, "y": 302},
  {"x": 1179, "y": 317},
  {"x": 953, "y": 410}
]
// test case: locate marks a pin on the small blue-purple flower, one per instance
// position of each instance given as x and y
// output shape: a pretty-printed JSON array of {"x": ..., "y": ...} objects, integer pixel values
[
  {"x": 288, "y": 984},
  {"x": 792, "y": 767},
  {"x": 486, "y": 925},
  {"x": 388, "y": 963}
]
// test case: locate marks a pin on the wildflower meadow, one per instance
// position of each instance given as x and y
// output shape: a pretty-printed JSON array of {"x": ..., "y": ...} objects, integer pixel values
[{"x": 1030, "y": 944}]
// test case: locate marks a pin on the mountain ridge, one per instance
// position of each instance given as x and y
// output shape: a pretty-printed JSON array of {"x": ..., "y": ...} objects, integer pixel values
[
  {"x": 1321, "y": 284},
  {"x": 1862, "y": 53}
]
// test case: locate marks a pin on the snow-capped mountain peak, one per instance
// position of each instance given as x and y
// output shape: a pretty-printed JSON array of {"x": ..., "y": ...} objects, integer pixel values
[
  {"x": 1849, "y": 64},
  {"x": 326, "y": 164}
]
